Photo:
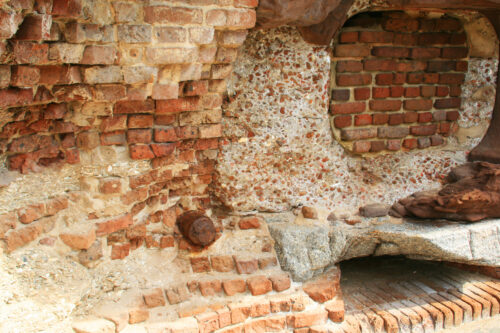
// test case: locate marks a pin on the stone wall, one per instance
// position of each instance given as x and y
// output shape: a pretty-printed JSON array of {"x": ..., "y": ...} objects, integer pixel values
[
  {"x": 280, "y": 152},
  {"x": 110, "y": 118}
]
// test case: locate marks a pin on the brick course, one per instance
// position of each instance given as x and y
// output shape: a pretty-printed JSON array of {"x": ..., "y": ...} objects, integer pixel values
[{"x": 393, "y": 75}]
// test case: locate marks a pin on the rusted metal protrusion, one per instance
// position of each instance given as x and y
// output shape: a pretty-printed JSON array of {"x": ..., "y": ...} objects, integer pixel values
[{"x": 197, "y": 227}]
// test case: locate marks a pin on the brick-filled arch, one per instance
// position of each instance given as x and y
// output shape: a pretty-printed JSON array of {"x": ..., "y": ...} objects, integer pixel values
[{"x": 397, "y": 80}]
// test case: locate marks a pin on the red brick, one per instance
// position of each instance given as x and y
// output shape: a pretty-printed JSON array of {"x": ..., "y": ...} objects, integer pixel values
[
  {"x": 454, "y": 52},
  {"x": 405, "y": 39},
  {"x": 114, "y": 123},
  {"x": 361, "y": 94},
  {"x": 393, "y": 145},
  {"x": 349, "y": 66},
  {"x": 246, "y": 266},
  {"x": 66, "y": 8},
  {"x": 35, "y": 28},
  {"x": 433, "y": 38},
  {"x": 418, "y": 104},
  {"x": 280, "y": 282},
  {"x": 397, "y": 91},
  {"x": 165, "y": 135},
  {"x": 154, "y": 298},
  {"x": 363, "y": 119},
  {"x": 195, "y": 88},
  {"x": 109, "y": 92},
  {"x": 442, "y": 91},
  {"x": 109, "y": 186},
  {"x": 410, "y": 143},
  {"x": 391, "y": 52},
  {"x": 222, "y": 263},
  {"x": 232, "y": 287},
  {"x": 259, "y": 285},
  {"x": 451, "y": 78},
  {"x": 400, "y": 24},
  {"x": 140, "y": 121},
  {"x": 114, "y": 224},
  {"x": 55, "y": 111},
  {"x": 168, "y": 119},
  {"x": 396, "y": 119},
  {"x": 141, "y": 152},
  {"x": 178, "y": 105},
  {"x": 165, "y": 91},
  {"x": 31, "y": 213},
  {"x": 448, "y": 24},
  {"x": 455, "y": 91},
  {"x": 415, "y": 78},
  {"x": 139, "y": 136},
  {"x": 384, "y": 79},
  {"x": 15, "y": 97},
  {"x": 399, "y": 78},
  {"x": 412, "y": 92},
  {"x": 380, "y": 118},
  {"x": 53, "y": 206},
  {"x": 307, "y": 318},
  {"x": 410, "y": 117},
  {"x": 462, "y": 66},
  {"x": 24, "y": 76},
  {"x": 385, "y": 105},
  {"x": 423, "y": 130},
  {"x": 342, "y": 121},
  {"x": 163, "y": 149},
  {"x": 392, "y": 132},
  {"x": 352, "y": 50},
  {"x": 128, "y": 107},
  {"x": 431, "y": 78},
  {"x": 340, "y": 94},
  {"x": 251, "y": 222},
  {"x": 246, "y": 3},
  {"x": 448, "y": 103},
  {"x": 427, "y": 91},
  {"x": 336, "y": 310},
  {"x": 99, "y": 55},
  {"x": 210, "y": 288},
  {"x": 347, "y": 108},
  {"x": 441, "y": 66},
  {"x": 360, "y": 147},
  {"x": 437, "y": 140},
  {"x": 30, "y": 53},
  {"x": 376, "y": 37},
  {"x": 425, "y": 117},
  {"x": 200, "y": 264},
  {"x": 349, "y": 37},
  {"x": 120, "y": 251},
  {"x": 113, "y": 138},
  {"x": 411, "y": 66},
  {"x": 444, "y": 128},
  {"x": 358, "y": 134},
  {"x": 173, "y": 15},
  {"x": 344, "y": 80},
  {"x": 377, "y": 146},
  {"x": 452, "y": 115},
  {"x": 425, "y": 53},
  {"x": 18, "y": 237},
  {"x": 7, "y": 221},
  {"x": 380, "y": 65}
]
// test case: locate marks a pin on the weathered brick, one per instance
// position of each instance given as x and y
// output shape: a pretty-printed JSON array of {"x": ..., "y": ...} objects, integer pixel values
[
  {"x": 127, "y": 107},
  {"x": 246, "y": 266},
  {"x": 114, "y": 224},
  {"x": 66, "y": 8},
  {"x": 307, "y": 318},
  {"x": 170, "y": 34},
  {"x": 423, "y": 130},
  {"x": 425, "y": 53},
  {"x": 200, "y": 264},
  {"x": 9, "y": 22},
  {"x": 352, "y": 50},
  {"x": 393, "y": 132},
  {"x": 380, "y": 118},
  {"x": 393, "y": 145},
  {"x": 134, "y": 33},
  {"x": 110, "y": 92},
  {"x": 35, "y": 27},
  {"x": 385, "y": 105},
  {"x": 80, "y": 240},
  {"x": 202, "y": 35},
  {"x": 24, "y": 76},
  {"x": 384, "y": 79},
  {"x": 361, "y": 94},
  {"x": 232, "y": 38},
  {"x": 210, "y": 288},
  {"x": 103, "y": 74},
  {"x": 280, "y": 282},
  {"x": 400, "y": 24},
  {"x": 141, "y": 152},
  {"x": 451, "y": 78},
  {"x": 7, "y": 221},
  {"x": 448, "y": 103},
  {"x": 342, "y": 121},
  {"x": 165, "y": 91},
  {"x": 358, "y": 134},
  {"x": 381, "y": 92},
  {"x": 353, "y": 79},
  {"x": 30, "y": 53},
  {"x": 99, "y": 55},
  {"x": 396, "y": 119},
  {"x": 165, "y": 135},
  {"x": 380, "y": 65},
  {"x": 391, "y": 52},
  {"x": 363, "y": 119},
  {"x": 171, "y": 55},
  {"x": 21, "y": 236},
  {"x": 259, "y": 285},
  {"x": 173, "y": 15},
  {"x": 418, "y": 104},
  {"x": 349, "y": 66},
  {"x": 448, "y": 24},
  {"x": 114, "y": 123},
  {"x": 178, "y": 105}
]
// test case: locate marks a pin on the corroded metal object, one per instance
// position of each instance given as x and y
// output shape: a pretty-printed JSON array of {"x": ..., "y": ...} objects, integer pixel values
[{"x": 197, "y": 227}]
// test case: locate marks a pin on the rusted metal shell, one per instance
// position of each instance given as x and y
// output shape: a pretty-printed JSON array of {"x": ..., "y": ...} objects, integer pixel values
[{"x": 197, "y": 227}]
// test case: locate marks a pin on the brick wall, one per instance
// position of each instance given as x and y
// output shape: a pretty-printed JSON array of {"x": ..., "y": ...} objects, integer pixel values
[
  {"x": 77, "y": 75},
  {"x": 397, "y": 81}
]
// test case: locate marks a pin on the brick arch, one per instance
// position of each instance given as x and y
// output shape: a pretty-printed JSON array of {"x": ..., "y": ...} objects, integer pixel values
[{"x": 397, "y": 81}]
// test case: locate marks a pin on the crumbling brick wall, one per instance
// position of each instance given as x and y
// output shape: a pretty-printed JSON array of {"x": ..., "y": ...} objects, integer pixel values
[
  {"x": 397, "y": 81},
  {"x": 79, "y": 76}
]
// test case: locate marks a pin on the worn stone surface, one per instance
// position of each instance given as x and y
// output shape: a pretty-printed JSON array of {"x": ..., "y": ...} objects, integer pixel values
[
  {"x": 473, "y": 194},
  {"x": 476, "y": 243}
]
